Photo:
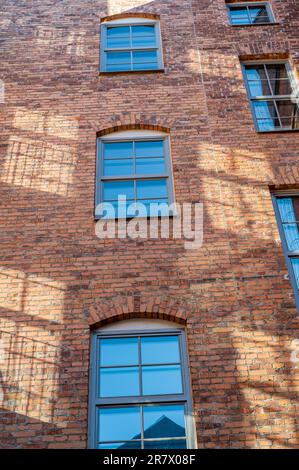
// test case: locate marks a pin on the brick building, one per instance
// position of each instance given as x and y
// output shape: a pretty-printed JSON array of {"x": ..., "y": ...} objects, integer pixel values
[{"x": 203, "y": 91}]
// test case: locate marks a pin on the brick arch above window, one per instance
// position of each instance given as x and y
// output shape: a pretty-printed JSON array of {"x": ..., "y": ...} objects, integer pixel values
[
  {"x": 147, "y": 126},
  {"x": 136, "y": 307},
  {"x": 120, "y": 16}
]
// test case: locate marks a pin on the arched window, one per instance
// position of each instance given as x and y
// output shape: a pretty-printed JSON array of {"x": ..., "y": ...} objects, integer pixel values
[
  {"x": 139, "y": 387},
  {"x": 130, "y": 45},
  {"x": 135, "y": 165}
]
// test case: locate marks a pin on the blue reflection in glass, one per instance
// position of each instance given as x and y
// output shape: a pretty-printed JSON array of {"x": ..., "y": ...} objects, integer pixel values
[
  {"x": 118, "y": 31},
  {"x": 144, "y": 56},
  {"x": 161, "y": 380},
  {"x": 150, "y": 166},
  {"x": 118, "y": 37},
  {"x": 160, "y": 349},
  {"x": 288, "y": 219},
  {"x": 150, "y": 148},
  {"x": 164, "y": 421},
  {"x": 167, "y": 444},
  {"x": 144, "y": 41},
  {"x": 118, "y": 61},
  {"x": 239, "y": 15},
  {"x": 119, "y": 382},
  {"x": 119, "y": 424},
  {"x": 147, "y": 189},
  {"x": 255, "y": 72},
  {"x": 295, "y": 264},
  {"x": 143, "y": 30},
  {"x": 265, "y": 113},
  {"x": 118, "y": 188},
  {"x": 119, "y": 352},
  {"x": 118, "y": 150},
  {"x": 118, "y": 167},
  {"x": 259, "y": 88}
]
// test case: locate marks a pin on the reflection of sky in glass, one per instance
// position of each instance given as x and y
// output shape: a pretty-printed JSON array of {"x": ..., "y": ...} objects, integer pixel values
[
  {"x": 288, "y": 219},
  {"x": 119, "y": 382},
  {"x": 160, "y": 349},
  {"x": 161, "y": 380},
  {"x": 295, "y": 264},
  {"x": 119, "y": 424},
  {"x": 119, "y": 351}
]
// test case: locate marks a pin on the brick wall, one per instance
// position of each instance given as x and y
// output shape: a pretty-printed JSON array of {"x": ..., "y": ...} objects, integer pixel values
[{"x": 58, "y": 279}]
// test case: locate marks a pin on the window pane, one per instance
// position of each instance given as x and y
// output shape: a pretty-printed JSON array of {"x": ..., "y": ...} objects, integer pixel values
[
  {"x": 119, "y": 352},
  {"x": 150, "y": 148},
  {"x": 259, "y": 87},
  {"x": 118, "y": 167},
  {"x": 290, "y": 123},
  {"x": 118, "y": 37},
  {"x": 143, "y": 36},
  {"x": 160, "y": 349},
  {"x": 119, "y": 424},
  {"x": 161, "y": 380},
  {"x": 167, "y": 444},
  {"x": 118, "y": 31},
  {"x": 150, "y": 166},
  {"x": 286, "y": 108},
  {"x": 266, "y": 115},
  {"x": 255, "y": 72},
  {"x": 259, "y": 15},
  {"x": 277, "y": 71},
  {"x": 281, "y": 87},
  {"x": 239, "y": 15},
  {"x": 118, "y": 150},
  {"x": 120, "y": 445},
  {"x": 145, "y": 60},
  {"x": 118, "y": 58},
  {"x": 117, "y": 61},
  {"x": 289, "y": 213},
  {"x": 144, "y": 41},
  {"x": 279, "y": 79},
  {"x": 164, "y": 421},
  {"x": 147, "y": 189},
  {"x": 118, "y": 188},
  {"x": 119, "y": 382},
  {"x": 143, "y": 30},
  {"x": 267, "y": 125},
  {"x": 295, "y": 264}
]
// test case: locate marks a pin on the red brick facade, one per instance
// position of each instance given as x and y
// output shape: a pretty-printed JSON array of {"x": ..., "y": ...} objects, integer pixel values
[{"x": 58, "y": 280}]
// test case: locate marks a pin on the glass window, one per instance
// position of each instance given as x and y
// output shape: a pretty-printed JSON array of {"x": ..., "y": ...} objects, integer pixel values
[
  {"x": 139, "y": 395},
  {"x": 270, "y": 89},
  {"x": 137, "y": 170},
  {"x": 129, "y": 47},
  {"x": 256, "y": 13},
  {"x": 287, "y": 211}
]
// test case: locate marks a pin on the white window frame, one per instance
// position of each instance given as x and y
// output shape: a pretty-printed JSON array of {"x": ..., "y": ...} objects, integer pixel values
[{"x": 130, "y": 22}]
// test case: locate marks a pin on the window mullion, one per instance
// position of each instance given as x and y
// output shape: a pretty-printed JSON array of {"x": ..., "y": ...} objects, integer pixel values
[
  {"x": 278, "y": 115},
  {"x": 268, "y": 80}
]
